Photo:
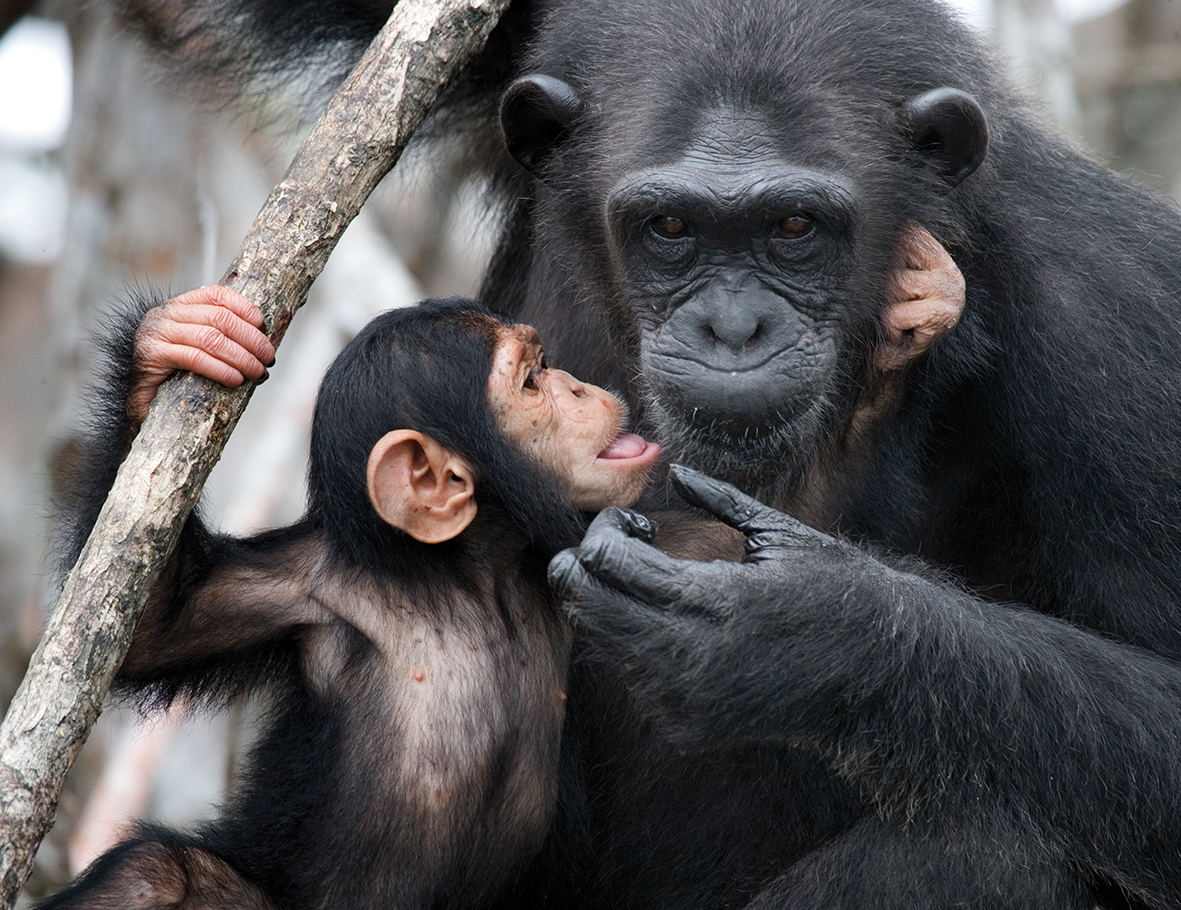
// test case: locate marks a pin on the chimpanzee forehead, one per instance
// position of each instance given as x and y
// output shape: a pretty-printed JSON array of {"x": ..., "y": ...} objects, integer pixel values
[
  {"x": 525, "y": 334},
  {"x": 482, "y": 322},
  {"x": 518, "y": 351}
]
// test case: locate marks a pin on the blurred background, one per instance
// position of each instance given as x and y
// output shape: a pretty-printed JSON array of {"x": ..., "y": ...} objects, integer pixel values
[{"x": 112, "y": 178}]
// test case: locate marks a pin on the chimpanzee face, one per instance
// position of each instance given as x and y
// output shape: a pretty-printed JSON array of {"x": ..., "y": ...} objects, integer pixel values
[{"x": 572, "y": 429}]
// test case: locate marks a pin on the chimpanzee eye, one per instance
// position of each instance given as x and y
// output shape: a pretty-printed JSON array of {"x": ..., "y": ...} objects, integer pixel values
[
  {"x": 531, "y": 379},
  {"x": 669, "y": 226},
  {"x": 793, "y": 226}
]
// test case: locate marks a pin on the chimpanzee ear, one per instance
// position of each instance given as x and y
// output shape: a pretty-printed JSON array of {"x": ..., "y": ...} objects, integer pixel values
[
  {"x": 536, "y": 113},
  {"x": 417, "y": 485},
  {"x": 949, "y": 127}
]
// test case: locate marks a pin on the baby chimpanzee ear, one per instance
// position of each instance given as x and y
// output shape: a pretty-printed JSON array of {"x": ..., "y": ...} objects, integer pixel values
[{"x": 417, "y": 485}]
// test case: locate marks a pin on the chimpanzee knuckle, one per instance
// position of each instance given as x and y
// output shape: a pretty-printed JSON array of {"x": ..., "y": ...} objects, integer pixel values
[
  {"x": 927, "y": 257},
  {"x": 924, "y": 335},
  {"x": 210, "y": 340},
  {"x": 185, "y": 311},
  {"x": 222, "y": 297},
  {"x": 637, "y": 570},
  {"x": 599, "y": 549},
  {"x": 771, "y": 544},
  {"x": 151, "y": 316},
  {"x": 618, "y": 520},
  {"x": 177, "y": 357},
  {"x": 152, "y": 326},
  {"x": 566, "y": 576},
  {"x": 149, "y": 351},
  {"x": 618, "y": 623},
  {"x": 617, "y": 559},
  {"x": 223, "y": 319},
  {"x": 905, "y": 286},
  {"x": 897, "y": 293},
  {"x": 612, "y": 520}
]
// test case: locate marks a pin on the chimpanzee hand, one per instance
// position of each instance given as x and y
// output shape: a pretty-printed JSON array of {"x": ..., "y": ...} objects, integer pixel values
[
  {"x": 727, "y": 651},
  {"x": 925, "y": 299},
  {"x": 213, "y": 331}
]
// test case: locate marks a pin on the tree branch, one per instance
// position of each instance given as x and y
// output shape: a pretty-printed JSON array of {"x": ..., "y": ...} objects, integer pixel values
[{"x": 359, "y": 138}]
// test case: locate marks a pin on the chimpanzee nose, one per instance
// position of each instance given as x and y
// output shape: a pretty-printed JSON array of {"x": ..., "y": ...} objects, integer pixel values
[
  {"x": 734, "y": 324},
  {"x": 739, "y": 315}
]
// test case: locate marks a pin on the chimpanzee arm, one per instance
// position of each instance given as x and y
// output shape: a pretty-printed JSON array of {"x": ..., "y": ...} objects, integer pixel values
[
  {"x": 226, "y": 614},
  {"x": 107, "y": 433},
  {"x": 212, "y": 331},
  {"x": 934, "y": 701},
  {"x": 224, "y": 607}
]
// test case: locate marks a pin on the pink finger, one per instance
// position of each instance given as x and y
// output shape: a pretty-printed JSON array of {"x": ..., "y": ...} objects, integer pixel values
[
  {"x": 217, "y": 296},
  {"x": 236, "y": 303},
  {"x": 201, "y": 363},
  {"x": 178, "y": 323},
  {"x": 208, "y": 341}
]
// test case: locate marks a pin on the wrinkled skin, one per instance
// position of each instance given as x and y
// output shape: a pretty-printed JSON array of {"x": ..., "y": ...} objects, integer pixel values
[
  {"x": 571, "y": 428},
  {"x": 213, "y": 331}
]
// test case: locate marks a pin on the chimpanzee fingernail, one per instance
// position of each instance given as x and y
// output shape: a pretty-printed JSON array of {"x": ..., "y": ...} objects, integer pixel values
[
  {"x": 266, "y": 374},
  {"x": 643, "y": 526}
]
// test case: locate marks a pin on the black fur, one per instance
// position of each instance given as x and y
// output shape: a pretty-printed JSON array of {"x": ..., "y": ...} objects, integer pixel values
[
  {"x": 1035, "y": 457},
  {"x": 415, "y": 691},
  {"x": 90, "y": 473}
]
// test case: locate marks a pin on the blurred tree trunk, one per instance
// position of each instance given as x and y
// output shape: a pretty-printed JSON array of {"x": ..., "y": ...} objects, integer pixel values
[
  {"x": 1038, "y": 47},
  {"x": 1113, "y": 81},
  {"x": 161, "y": 195},
  {"x": 1128, "y": 72},
  {"x": 156, "y": 189}
]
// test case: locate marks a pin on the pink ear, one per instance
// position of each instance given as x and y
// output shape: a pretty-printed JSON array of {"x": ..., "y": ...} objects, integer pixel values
[{"x": 420, "y": 487}]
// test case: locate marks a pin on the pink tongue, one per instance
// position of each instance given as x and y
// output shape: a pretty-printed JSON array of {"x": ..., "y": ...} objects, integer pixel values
[{"x": 628, "y": 445}]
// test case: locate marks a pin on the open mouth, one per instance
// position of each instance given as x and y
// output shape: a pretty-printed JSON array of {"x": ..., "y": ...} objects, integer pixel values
[{"x": 630, "y": 447}]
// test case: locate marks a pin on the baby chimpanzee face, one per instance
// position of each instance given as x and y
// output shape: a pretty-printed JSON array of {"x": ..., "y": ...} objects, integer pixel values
[
  {"x": 564, "y": 431},
  {"x": 570, "y": 428}
]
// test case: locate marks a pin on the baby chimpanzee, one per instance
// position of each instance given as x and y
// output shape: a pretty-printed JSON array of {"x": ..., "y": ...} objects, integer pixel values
[{"x": 414, "y": 656}]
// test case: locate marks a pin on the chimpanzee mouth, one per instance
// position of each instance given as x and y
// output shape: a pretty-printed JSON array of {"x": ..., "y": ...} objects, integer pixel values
[
  {"x": 748, "y": 455},
  {"x": 629, "y": 446},
  {"x": 752, "y": 417}
]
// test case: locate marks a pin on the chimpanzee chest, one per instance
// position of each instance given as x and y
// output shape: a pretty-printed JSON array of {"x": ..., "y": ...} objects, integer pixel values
[{"x": 460, "y": 738}]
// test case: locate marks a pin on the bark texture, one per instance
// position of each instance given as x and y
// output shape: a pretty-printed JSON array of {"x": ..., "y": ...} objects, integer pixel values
[{"x": 359, "y": 138}]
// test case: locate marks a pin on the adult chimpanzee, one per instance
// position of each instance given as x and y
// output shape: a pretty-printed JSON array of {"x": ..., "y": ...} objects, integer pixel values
[
  {"x": 705, "y": 219},
  {"x": 416, "y": 657},
  {"x": 465, "y": 784}
]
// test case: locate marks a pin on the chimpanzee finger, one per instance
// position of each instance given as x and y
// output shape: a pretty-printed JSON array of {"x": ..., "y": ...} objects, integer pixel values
[
  {"x": 162, "y": 344},
  {"x": 216, "y": 330},
  {"x": 732, "y": 506},
  {"x": 223, "y": 370},
  {"x": 613, "y": 556},
  {"x": 240, "y": 323},
  {"x": 636, "y": 524},
  {"x": 917, "y": 249},
  {"x": 615, "y": 619},
  {"x": 569, "y": 580},
  {"x": 217, "y": 295}
]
